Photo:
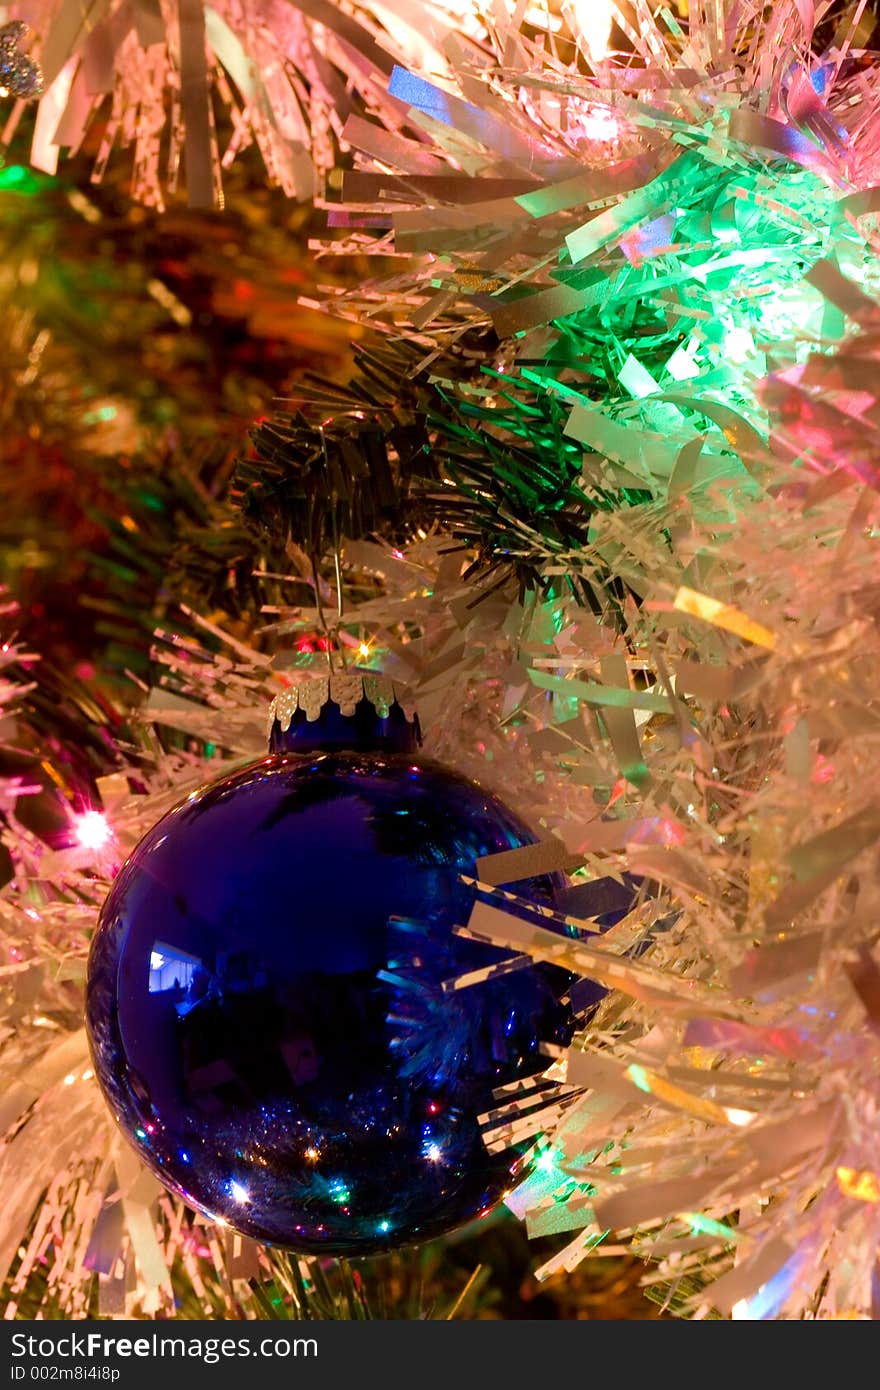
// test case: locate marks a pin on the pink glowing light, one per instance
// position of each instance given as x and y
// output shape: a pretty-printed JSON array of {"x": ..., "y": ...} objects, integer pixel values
[
  {"x": 599, "y": 123},
  {"x": 93, "y": 830}
]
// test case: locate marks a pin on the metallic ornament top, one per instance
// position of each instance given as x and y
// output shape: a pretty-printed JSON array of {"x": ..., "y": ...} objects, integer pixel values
[
  {"x": 20, "y": 76},
  {"x": 352, "y": 709}
]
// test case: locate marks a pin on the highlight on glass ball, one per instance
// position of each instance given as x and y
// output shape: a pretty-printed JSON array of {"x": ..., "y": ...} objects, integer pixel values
[{"x": 272, "y": 1001}]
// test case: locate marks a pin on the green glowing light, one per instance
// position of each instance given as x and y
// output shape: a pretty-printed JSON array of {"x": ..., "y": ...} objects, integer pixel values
[
  {"x": 639, "y": 1077},
  {"x": 15, "y": 178},
  {"x": 593, "y": 1241},
  {"x": 705, "y": 1226}
]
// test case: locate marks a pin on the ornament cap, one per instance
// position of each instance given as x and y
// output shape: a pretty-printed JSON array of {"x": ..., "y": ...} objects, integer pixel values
[{"x": 357, "y": 710}]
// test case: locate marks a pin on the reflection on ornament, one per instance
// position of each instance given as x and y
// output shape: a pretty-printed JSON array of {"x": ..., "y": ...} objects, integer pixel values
[
  {"x": 20, "y": 76},
  {"x": 272, "y": 999}
]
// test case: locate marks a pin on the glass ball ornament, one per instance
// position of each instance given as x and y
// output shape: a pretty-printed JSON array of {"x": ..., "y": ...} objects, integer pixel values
[{"x": 270, "y": 998}]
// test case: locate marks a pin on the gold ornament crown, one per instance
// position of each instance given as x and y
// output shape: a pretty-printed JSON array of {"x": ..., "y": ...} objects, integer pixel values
[{"x": 345, "y": 689}]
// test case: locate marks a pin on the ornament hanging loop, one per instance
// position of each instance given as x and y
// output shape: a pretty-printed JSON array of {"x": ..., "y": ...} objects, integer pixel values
[{"x": 331, "y": 633}]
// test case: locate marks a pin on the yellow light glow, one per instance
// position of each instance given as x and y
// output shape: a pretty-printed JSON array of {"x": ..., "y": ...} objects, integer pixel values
[
  {"x": 863, "y": 1185},
  {"x": 594, "y": 18},
  {"x": 739, "y": 1117},
  {"x": 723, "y": 615},
  {"x": 364, "y": 649}
]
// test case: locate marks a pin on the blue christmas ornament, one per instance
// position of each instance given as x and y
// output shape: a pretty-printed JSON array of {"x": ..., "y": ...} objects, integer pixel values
[{"x": 270, "y": 999}]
